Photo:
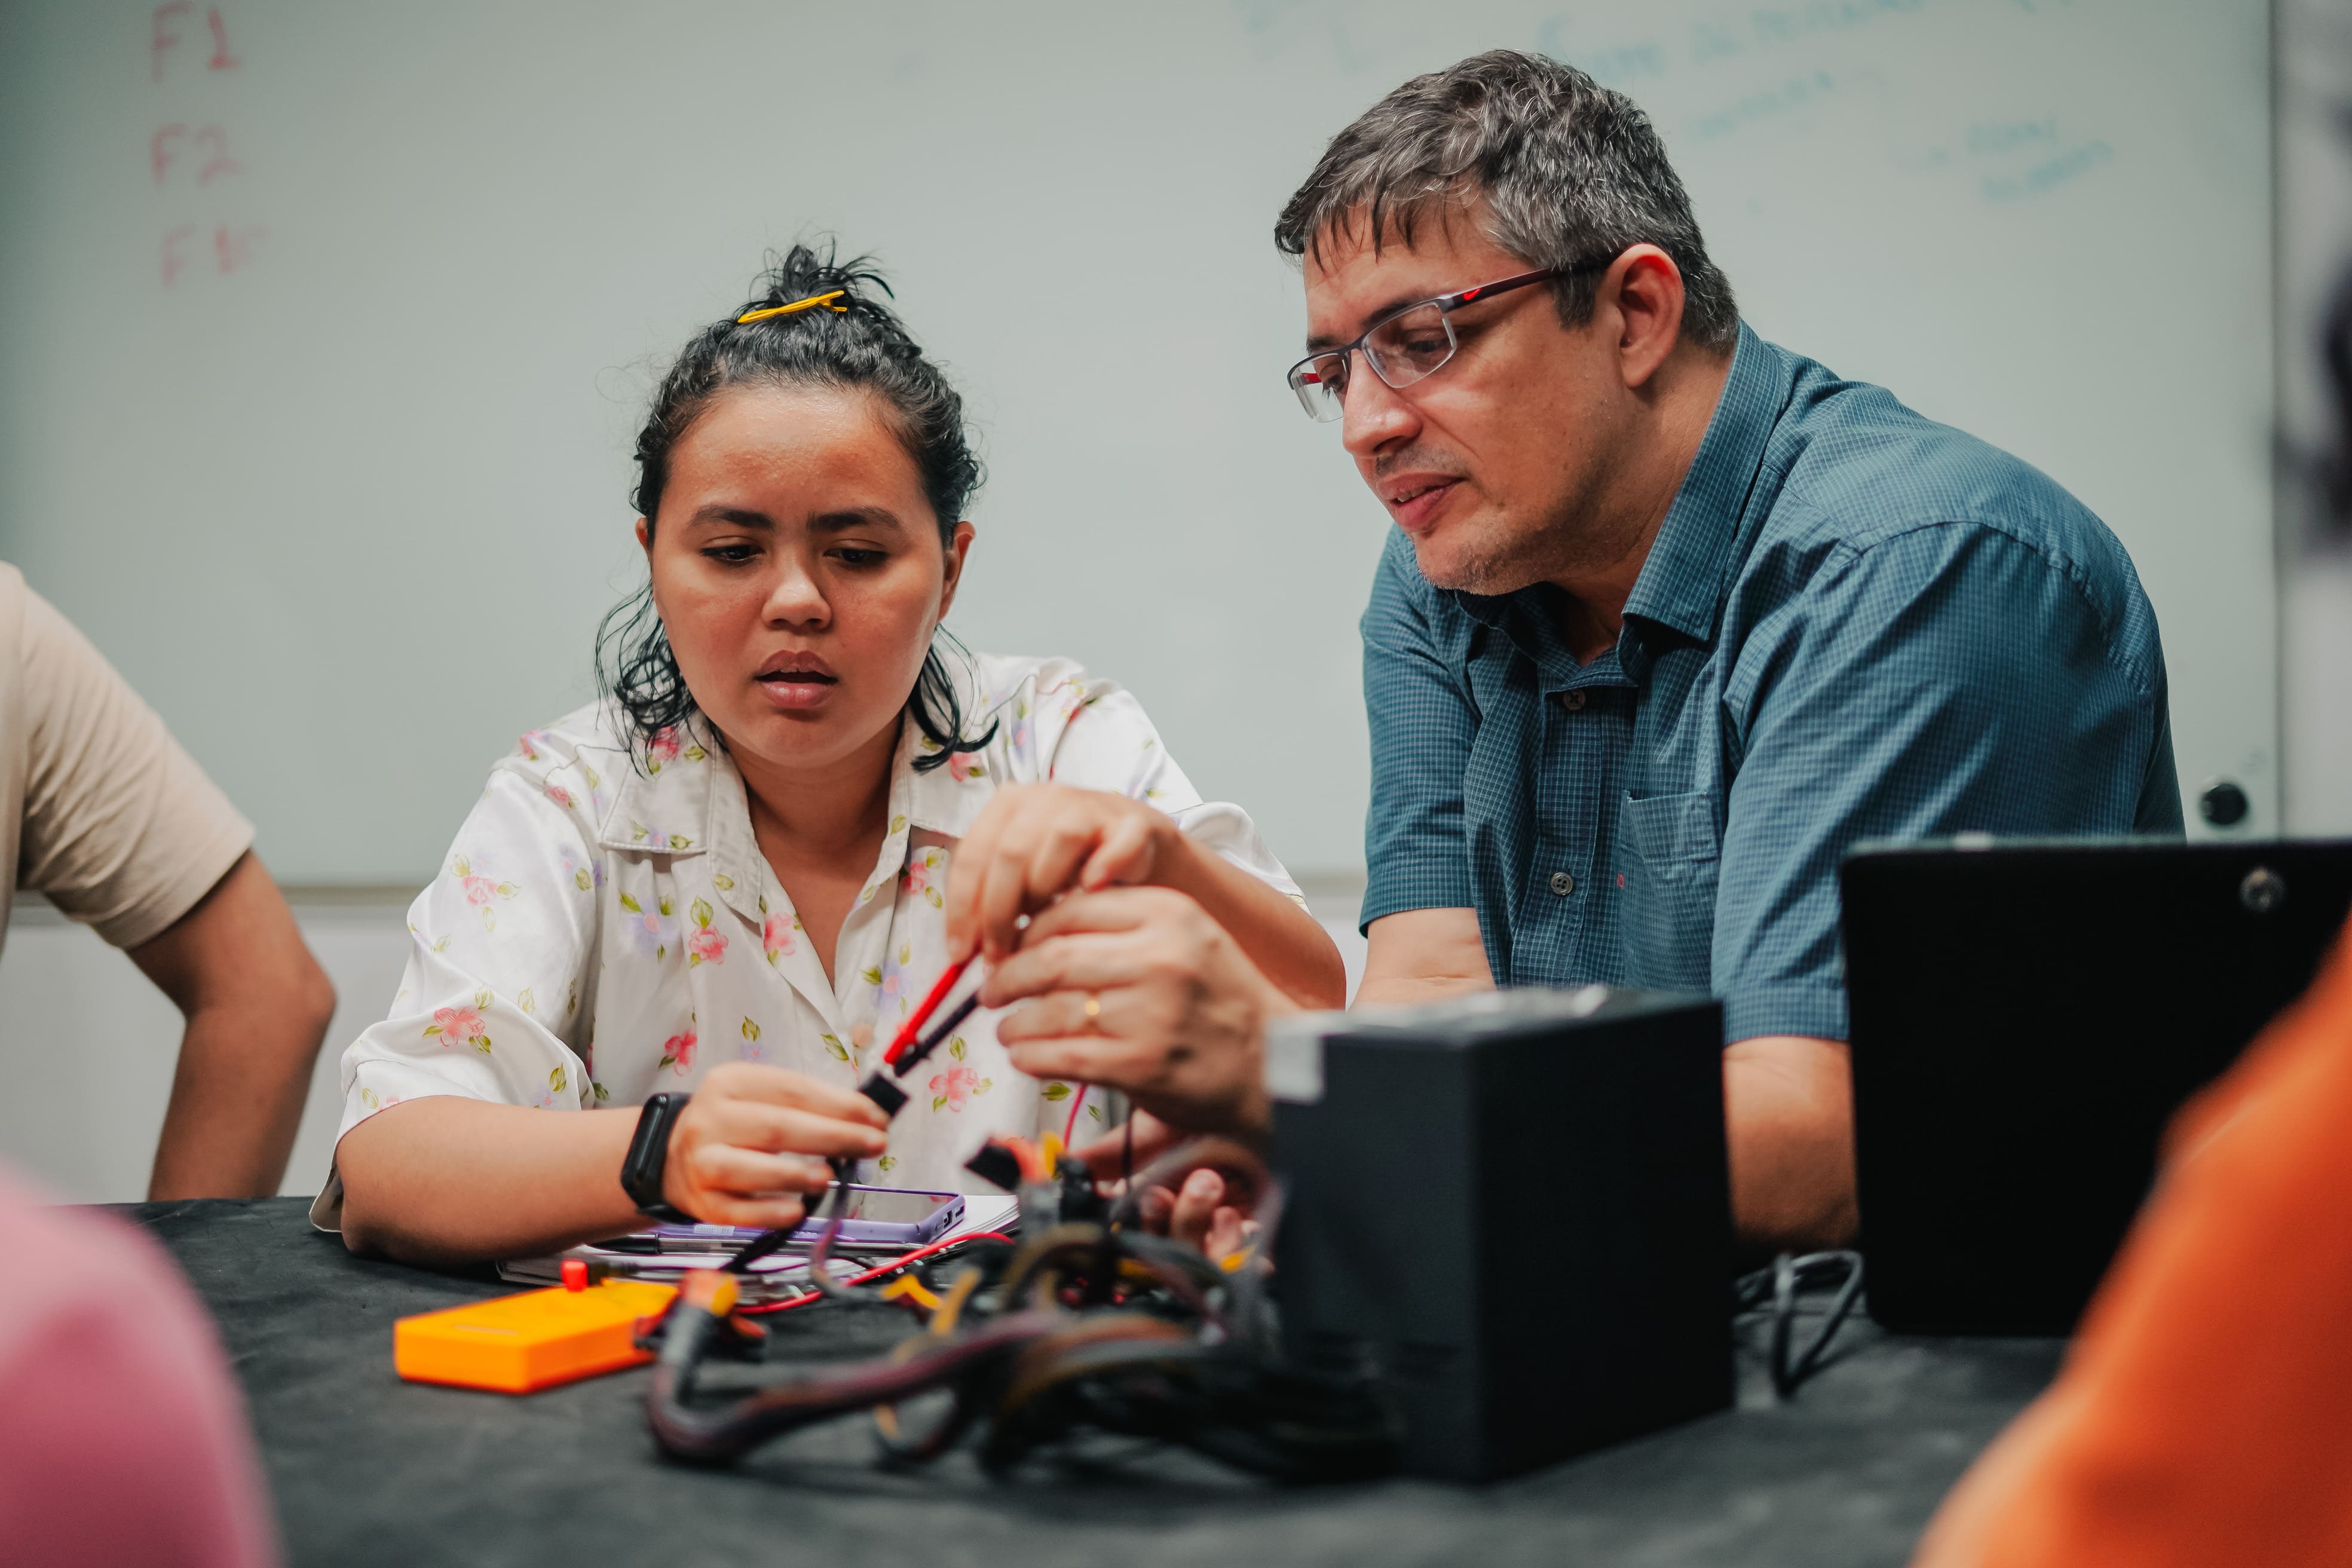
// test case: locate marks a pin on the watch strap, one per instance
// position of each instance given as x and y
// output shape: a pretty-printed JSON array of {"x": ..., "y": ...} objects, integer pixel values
[{"x": 648, "y": 1158}]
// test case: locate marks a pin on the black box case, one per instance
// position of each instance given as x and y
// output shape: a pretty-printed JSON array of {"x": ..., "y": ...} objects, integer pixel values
[{"x": 1516, "y": 1208}]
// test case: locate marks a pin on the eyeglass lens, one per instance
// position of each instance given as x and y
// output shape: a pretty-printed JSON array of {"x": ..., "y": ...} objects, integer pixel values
[
  {"x": 1405, "y": 348},
  {"x": 1401, "y": 350},
  {"x": 1320, "y": 383}
]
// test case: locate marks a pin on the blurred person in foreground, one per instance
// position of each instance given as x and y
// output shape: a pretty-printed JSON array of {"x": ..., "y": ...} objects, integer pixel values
[
  {"x": 122, "y": 1441},
  {"x": 102, "y": 811},
  {"x": 2205, "y": 1412}
]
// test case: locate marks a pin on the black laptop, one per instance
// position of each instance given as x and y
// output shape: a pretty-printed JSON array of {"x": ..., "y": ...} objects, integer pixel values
[{"x": 2027, "y": 1017}]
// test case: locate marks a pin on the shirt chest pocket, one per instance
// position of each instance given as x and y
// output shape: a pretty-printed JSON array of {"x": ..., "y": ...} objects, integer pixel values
[{"x": 1668, "y": 855}]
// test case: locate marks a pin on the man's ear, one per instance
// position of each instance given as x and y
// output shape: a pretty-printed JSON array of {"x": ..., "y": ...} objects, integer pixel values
[
  {"x": 959, "y": 547},
  {"x": 1642, "y": 294}
]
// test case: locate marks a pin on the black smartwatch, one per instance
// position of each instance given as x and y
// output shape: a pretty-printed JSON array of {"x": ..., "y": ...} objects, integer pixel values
[{"x": 648, "y": 1157}]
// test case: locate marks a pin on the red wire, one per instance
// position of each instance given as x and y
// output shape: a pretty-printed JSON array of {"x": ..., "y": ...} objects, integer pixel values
[
  {"x": 880, "y": 1269},
  {"x": 1072, "y": 1124},
  {"x": 922, "y": 1015}
]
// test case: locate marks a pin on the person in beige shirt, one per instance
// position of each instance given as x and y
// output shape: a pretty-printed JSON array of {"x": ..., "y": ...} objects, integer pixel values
[{"x": 103, "y": 812}]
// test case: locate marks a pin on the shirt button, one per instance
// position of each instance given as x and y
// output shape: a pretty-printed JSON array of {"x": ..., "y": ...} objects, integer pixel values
[
  {"x": 1573, "y": 701},
  {"x": 1562, "y": 883}
]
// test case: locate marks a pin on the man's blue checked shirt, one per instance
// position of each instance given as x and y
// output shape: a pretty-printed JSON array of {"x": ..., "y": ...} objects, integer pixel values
[{"x": 1854, "y": 624}]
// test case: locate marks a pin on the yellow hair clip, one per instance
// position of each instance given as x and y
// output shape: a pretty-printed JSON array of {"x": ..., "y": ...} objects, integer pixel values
[{"x": 824, "y": 300}]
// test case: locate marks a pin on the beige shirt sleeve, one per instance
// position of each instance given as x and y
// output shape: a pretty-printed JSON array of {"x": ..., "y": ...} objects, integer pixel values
[{"x": 121, "y": 829}]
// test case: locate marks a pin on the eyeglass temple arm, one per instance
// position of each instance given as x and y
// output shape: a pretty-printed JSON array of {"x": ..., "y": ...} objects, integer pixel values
[{"x": 1504, "y": 285}]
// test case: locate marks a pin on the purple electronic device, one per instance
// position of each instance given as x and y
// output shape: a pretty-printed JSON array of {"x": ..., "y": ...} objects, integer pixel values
[{"x": 876, "y": 1216}]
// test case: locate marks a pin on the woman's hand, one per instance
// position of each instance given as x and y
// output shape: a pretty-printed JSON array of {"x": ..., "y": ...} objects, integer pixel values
[
  {"x": 1034, "y": 842},
  {"x": 753, "y": 1139}
]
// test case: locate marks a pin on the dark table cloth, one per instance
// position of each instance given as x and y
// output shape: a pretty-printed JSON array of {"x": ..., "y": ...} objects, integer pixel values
[{"x": 369, "y": 1469}]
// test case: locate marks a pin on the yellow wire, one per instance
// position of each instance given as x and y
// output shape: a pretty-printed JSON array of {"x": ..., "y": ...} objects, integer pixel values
[
  {"x": 943, "y": 1321},
  {"x": 911, "y": 1288}
]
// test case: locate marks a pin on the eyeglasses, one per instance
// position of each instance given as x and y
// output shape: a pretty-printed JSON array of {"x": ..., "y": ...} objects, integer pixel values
[{"x": 1402, "y": 346}]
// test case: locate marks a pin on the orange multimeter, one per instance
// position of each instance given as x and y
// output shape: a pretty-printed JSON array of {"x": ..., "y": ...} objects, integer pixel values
[{"x": 518, "y": 1344}]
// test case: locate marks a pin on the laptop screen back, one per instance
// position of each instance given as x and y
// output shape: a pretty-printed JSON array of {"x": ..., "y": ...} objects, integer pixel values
[{"x": 2026, "y": 1018}]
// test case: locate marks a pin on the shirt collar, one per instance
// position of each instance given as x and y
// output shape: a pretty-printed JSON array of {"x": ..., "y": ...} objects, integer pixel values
[
  {"x": 1681, "y": 582},
  {"x": 688, "y": 798},
  {"x": 948, "y": 798},
  {"x": 664, "y": 804}
]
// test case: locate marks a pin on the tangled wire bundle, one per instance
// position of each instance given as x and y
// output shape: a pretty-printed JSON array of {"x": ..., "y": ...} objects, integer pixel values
[{"x": 1089, "y": 1323}]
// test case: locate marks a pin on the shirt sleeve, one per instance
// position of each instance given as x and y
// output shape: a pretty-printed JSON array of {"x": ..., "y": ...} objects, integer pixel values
[
  {"x": 498, "y": 984},
  {"x": 1096, "y": 735},
  {"x": 1422, "y": 722},
  {"x": 122, "y": 830},
  {"x": 1949, "y": 679}
]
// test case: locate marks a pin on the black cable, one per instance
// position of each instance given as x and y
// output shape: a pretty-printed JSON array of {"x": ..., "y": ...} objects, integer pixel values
[
  {"x": 759, "y": 1246},
  {"x": 768, "y": 1241},
  {"x": 835, "y": 1207},
  {"x": 938, "y": 1035},
  {"x": 1779, "y": 1284}
]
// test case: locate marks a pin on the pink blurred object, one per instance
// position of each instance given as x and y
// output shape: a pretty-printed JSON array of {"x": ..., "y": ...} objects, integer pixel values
[{"x": 122, "y": 1438}]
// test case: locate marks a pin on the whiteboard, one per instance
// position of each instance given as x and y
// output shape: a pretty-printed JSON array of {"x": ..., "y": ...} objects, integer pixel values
[{"x": 315, "y": 413}]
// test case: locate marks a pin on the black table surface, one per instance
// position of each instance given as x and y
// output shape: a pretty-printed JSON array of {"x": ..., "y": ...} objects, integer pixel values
[{"x": 367, "y": 1469}]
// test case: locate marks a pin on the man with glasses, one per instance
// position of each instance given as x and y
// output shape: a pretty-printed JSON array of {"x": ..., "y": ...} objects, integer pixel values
[{"x": 1670, "y": 619}]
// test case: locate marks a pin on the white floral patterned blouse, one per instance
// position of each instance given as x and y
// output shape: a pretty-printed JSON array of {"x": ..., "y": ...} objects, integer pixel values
[{"x": 601, "y": 935}]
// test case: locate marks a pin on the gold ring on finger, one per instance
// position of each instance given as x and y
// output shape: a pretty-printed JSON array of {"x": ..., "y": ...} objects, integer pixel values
[{"x": 1094, "y": 1009}]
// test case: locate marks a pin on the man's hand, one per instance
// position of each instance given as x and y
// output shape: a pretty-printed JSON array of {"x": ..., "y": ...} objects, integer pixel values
[
  {"x": 754, "y": 1138},
  {"x": 1197, "y": 1214},
  {"x": 1034, "y": 842},
  {"x": 1203, "y": 1210},
  {"x": 1138, "y": 990}
]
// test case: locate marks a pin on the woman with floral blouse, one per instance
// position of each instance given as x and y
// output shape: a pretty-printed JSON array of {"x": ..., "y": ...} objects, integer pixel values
[{"x": 730, "y": 876}]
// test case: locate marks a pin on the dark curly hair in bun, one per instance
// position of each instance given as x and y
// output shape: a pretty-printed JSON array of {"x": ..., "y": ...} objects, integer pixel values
[{"x": 864, "y": 347}]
